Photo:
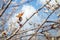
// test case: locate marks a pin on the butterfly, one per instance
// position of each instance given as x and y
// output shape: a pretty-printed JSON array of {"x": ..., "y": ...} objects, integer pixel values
[{"x": 20, "y": 16}]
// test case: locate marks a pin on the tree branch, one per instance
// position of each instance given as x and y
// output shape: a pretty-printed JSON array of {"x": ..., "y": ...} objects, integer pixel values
[
  {"x": 3, "y": 10},
  {"x": 42, "y": 24},
  {"x": 23, "y": 24},
  {"x": 53, "y": 22}
]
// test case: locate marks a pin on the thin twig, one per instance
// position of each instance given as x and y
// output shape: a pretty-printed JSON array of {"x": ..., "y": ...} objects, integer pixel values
[
  {"x": 53, "y": 22},
  {"x": 3, "y": 10}
]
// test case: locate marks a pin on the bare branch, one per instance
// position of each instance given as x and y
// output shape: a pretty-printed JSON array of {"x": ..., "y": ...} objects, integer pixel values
[
  {"x": 24, "y": 23},
  {"x": 3, "y": 10},
  {"x": 42, "y": 24},
  {"x": 53, "y": 22},
  {"x": 14, "y": 33}
]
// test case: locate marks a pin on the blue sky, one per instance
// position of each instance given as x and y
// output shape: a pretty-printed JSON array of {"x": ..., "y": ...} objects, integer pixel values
[{"x": 34, "y": 5}]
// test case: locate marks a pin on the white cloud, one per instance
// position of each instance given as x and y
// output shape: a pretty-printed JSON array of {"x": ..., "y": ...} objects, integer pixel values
[
  {"x": 22, "y": 1},
  {"x": 41, "y": 1},
  {"x": 28, "y": 11},
  {"x": 30, "y": 32}
]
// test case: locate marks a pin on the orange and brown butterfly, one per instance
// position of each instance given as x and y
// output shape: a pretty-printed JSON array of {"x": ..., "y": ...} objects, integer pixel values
[{"x": 20, "y": 16}]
